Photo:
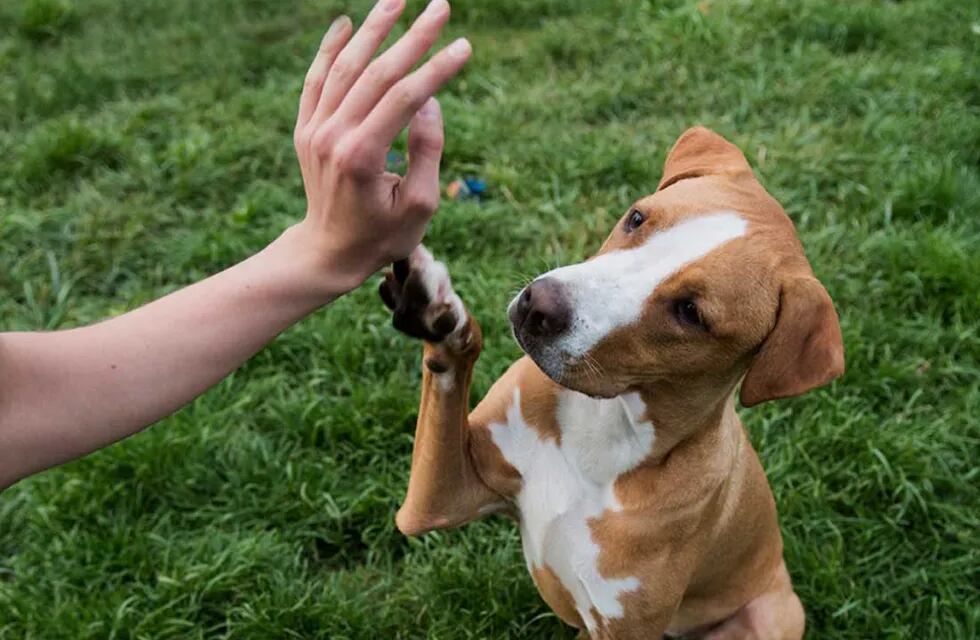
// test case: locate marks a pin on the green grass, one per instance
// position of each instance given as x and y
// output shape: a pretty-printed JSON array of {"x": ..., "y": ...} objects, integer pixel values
[{"x": 146, "y": 144}]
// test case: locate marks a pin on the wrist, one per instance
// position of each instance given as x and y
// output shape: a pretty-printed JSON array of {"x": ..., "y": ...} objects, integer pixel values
[{"x": 318, "y": 269}]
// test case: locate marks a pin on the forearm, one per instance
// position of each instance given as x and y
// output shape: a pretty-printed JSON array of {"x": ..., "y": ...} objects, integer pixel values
[
  {"x": 444, "y": 488},
  {"x": 67, "y": 393}
]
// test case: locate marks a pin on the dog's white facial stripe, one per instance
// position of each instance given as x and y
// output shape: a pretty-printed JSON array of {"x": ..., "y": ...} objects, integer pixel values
[
  {"x": 566, "y": 485},
  {"x": 610, "y": 291}
]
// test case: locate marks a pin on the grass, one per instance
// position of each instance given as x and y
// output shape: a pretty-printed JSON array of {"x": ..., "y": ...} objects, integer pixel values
[{"x": 144, "y": 145}]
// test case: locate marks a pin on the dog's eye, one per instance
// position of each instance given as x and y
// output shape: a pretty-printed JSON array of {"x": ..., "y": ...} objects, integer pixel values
[
  {"x": 634, "y": 220},
  {"x": 688, "y": 313}
]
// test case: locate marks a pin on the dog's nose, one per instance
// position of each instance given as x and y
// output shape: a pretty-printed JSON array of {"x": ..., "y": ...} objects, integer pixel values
[{"x": 543, "y": 308}]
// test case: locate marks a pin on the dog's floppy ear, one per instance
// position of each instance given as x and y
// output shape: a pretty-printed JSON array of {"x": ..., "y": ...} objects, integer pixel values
[
  {"x": 702, "y": 152},
  {"x": 804, "y": 349}
]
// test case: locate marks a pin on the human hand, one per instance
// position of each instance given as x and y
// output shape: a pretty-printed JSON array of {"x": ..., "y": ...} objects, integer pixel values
[{"x": 360, "y": 217}]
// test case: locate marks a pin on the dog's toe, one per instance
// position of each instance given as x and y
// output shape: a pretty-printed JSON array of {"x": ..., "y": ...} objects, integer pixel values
[
  {"x": 420, "y": 294},
  {"x": 389, "y": 290}
]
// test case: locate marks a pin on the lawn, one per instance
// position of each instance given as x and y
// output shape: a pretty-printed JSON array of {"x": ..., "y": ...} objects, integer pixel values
[{"x": 146, "y": 144}]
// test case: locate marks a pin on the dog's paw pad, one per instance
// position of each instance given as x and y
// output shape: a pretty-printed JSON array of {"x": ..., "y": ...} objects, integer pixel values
[{"x": 420, "y": 294}]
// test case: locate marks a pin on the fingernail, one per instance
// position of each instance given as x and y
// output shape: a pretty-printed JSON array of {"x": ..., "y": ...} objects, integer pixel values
[
  {"x": 435, "y": 7},
  {"x": 391, "y": 5},
  {"x": 430, "y": 109},
  {"x": 336, "y": 26},
  {"x": 460, "y": 48}
]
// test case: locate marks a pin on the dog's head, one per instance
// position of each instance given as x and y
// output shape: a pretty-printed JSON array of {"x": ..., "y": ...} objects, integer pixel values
[{"x": 705, "y": 280}]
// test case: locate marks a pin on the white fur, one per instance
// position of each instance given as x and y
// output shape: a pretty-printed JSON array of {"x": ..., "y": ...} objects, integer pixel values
[
  {"x": 609, "y": 291},
  {"x": 446, "y": 380},
  {"x": 565, "y": 486},
  {"x": 438, "y": 286}
]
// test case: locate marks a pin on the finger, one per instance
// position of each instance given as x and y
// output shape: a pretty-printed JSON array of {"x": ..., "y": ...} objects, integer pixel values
[
  {"x": 355, "y": 56},
  {"x": 445, "y": 322},
  {"x": 393, "y": 64},
  {"x": 419, "y": 192},
  {"x": 403, "y": 100},
  {"x": 333, "y": 41}
]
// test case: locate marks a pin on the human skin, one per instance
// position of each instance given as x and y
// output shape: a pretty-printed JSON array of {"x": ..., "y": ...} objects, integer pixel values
[{"x": 64, "y": 394}]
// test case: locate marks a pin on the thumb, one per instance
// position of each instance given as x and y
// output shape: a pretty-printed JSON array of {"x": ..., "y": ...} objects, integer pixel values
[{"x": 420, "y": 190}]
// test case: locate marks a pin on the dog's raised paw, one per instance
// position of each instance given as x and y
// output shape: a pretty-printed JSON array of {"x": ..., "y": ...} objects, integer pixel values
[{"x": 420, "y": 295}]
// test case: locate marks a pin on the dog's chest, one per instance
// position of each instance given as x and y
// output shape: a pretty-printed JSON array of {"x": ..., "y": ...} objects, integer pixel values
[{"x": 568, "y": 483}]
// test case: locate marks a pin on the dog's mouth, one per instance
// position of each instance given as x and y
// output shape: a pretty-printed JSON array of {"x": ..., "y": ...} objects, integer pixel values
[
  {"x": 548, "y": 358},
  {"x": 542, "y": 319},
  {"x": 565, "y": 370},
  {"x": 548, "y": 362},
  {"x": 527, "y": 345}
]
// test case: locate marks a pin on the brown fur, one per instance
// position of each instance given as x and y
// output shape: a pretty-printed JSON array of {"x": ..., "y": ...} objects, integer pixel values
[{"x": 698, "y": 522}]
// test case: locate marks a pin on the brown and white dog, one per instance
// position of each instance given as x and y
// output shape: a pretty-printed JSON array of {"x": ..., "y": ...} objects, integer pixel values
[{"x": 615, "y": 444}]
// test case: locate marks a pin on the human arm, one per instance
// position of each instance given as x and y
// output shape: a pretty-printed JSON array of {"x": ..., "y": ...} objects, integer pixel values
[{"x": 64, "y": 394}]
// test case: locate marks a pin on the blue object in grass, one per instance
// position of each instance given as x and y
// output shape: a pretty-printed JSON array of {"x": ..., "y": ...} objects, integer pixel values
[
  {"x": 469, "y": 188},
  {"x": 475, "y": 186}
]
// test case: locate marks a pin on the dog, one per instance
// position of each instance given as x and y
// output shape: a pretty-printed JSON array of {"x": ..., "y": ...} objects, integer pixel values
[{"x": 614, "y": 442}]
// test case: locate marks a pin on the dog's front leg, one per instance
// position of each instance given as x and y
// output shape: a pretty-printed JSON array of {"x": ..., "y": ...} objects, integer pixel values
[{"x": 444, "y": 489}]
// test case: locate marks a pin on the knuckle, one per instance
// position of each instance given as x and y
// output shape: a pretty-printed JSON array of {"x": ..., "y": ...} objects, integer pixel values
[
  {"x": 342, "y": 69},
  {"x": 430, "y": 142},
  {"x": 324, "y": 140},
  {"x": 312, "y": 81},
  {"x": 421, "y": 203},
  {"x": 403, "y": 96},
  {"x": 377, "y": 74},
  {"x": 377, "y": 29},
  {"x": 349, "y": 156},
  {"x": 427, "y": 38},
  {"x": 302, "y": 136}
]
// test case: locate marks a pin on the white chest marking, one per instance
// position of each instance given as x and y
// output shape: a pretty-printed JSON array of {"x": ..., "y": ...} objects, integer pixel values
[
  {"x": 566, "y": 485},
  {"x": 611, "y": 290}
]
